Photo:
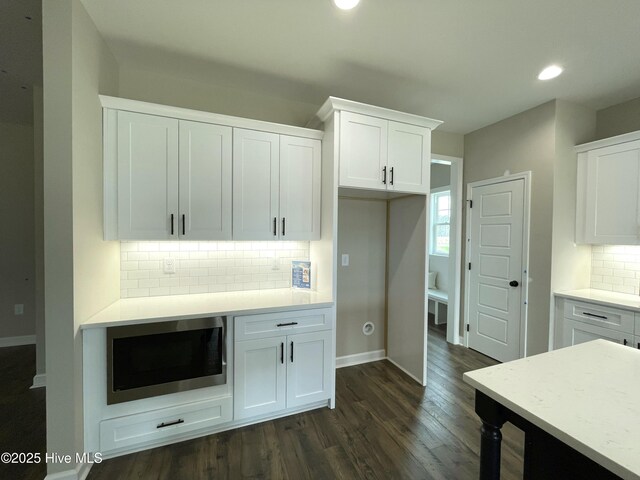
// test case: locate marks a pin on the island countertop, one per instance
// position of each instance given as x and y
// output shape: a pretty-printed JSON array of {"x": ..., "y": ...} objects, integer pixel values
[
  {"x": 179, "y": 307},
  {"x": 586, "y": 396}
]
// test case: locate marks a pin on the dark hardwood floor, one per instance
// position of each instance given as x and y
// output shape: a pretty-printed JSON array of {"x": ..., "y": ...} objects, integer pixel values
[
  {"x": 385, "y": 426},
  {"x": 22, "y": 412}
]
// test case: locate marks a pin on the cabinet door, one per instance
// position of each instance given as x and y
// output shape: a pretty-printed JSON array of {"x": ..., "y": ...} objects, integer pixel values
[
  {"x": 575, "y": 332},
  {"x": 205, "y": 181},
  {"x": 147, "y": 177},
  {"x": 256, "y": 160},
  {"x": 260, "y": 368},
  {"x": 309, "y": 368},
  {"x": 409, "y": 159},
  {"x": 613, "y": 183},
  {"x": 363, "y": 151},
  {"x": 299, "y": 188}
]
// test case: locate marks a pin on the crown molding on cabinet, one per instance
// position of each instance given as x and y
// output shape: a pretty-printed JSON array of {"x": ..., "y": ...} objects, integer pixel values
[
  {"x": 605, "y": 142},
  {"x": 334, "y": 103},
  {"x": 206, "y": 117}
]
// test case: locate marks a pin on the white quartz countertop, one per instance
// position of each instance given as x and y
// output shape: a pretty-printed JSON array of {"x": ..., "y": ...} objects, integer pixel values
[
  {"x": 585, "y": 395},
  {"x": 602, "y": 297},
  {"x": 177, "y": 307}
]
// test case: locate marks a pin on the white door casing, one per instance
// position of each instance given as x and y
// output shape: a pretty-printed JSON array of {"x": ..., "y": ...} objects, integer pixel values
[
  {"x": 205, "y": 181},
  {"x": 497, "y": 253}
]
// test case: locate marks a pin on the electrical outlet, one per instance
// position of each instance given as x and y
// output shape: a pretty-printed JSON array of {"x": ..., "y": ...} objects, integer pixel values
[
  {"x": 345, "y": 259},
  {"x": 18, "y": 309},
  {"x": 169, "y": 265}
]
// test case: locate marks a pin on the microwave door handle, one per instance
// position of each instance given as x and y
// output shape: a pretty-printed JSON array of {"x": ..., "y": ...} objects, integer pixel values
[{"x": 224, "y": 344}]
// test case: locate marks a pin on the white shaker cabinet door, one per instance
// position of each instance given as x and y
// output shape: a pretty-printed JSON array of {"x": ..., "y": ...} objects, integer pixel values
[
  {"x": 147, "y": 177},
  {"x": 256, "y": 160},
  {"x": 408, "y": 161},
  {"x": 309, "y": 368},
  {"x": 576, "y": 332},
  {"x": 205, "y": 181},
  {"x": 260, "y": 377},
  {"x": 363, "y": 151},
  {"x": 299, "y": 188},
  {"x": 612, "y": 201}
]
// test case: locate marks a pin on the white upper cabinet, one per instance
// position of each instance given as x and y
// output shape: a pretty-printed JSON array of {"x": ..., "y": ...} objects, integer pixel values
[
  {"x": 409, "y": 158},
  {"x": 380, "y": 149},
  {"x": 205, "y": 181},
  {"x": 276, "y": 186},
  {"x": 178, "y": 174},
  {"x": 147, "y": 176},
  {"x": 363, "y": 151},
  {"x": 608, "y": 203},
  {"x": 299, "y": 188}
]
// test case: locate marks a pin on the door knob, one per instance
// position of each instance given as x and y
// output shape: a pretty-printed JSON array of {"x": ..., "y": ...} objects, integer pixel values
[{"x": 513, "y": 283}]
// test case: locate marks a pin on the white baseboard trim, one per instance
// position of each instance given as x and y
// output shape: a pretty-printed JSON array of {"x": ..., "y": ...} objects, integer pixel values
[
  {"x": 405, "y": 371},
  {"x": 461, "y": 340},
  {"x": 17, "y": 341},
  {"x": 79, "y": 473},
  {"x": 39, "y": 381},
  {"x": 358, "y": 358}
]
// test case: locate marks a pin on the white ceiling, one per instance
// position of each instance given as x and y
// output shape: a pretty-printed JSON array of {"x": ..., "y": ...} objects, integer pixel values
[{"x": 467, "y": 62}]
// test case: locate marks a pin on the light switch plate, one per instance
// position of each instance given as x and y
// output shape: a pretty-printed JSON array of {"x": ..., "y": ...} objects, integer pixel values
[
  {"x": 345, "y": 259},
  {"x": 18, "y": 309}
]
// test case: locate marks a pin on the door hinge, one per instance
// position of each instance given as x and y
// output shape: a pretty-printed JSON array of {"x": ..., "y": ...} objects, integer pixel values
[
  {"x": 467, "y": 327},
  {"x": 469, "y": 265}
]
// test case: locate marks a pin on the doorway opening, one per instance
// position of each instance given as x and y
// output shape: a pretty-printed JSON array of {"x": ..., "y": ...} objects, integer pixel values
[{"x": 445, "y": 244}]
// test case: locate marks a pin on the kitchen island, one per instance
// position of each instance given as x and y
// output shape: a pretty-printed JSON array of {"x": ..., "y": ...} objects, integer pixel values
[{"x": 578, "y": 407}]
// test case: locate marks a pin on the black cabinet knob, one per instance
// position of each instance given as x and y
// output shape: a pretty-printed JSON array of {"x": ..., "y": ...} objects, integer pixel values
[{"x": 513, "y": 283}]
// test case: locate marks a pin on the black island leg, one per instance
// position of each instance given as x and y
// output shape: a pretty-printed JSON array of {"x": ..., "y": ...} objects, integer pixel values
[{"x": 493, "y": 417}]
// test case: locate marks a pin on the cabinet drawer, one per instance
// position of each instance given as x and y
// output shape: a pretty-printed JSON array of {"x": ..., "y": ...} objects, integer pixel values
[
  {"x": 613, "y": 318},
  {"x": 275, "y": 324},
  {"x": 158, "y": 425}
]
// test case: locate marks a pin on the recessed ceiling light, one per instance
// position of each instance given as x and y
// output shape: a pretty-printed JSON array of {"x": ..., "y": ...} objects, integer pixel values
[
  {"x": 552, "y": 71},
  {"x": 346, "y": 4}
]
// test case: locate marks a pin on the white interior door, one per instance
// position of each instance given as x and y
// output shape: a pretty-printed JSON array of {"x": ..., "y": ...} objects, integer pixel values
[{"x": 496, "y": 270}]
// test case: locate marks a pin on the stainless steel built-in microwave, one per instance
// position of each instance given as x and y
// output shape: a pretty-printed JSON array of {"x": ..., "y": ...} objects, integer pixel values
[{"x": 146, "y": 360}]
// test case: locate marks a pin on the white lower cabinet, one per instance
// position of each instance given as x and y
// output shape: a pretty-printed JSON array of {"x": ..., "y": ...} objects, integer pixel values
[
  {"x": 282, "y": 372},
  {"x": 576, "y": 332},
  {"x": 163, "y": 424}
]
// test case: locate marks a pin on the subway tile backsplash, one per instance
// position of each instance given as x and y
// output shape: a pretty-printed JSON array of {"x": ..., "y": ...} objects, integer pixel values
[
  {"x": 616, "y": 268},
  {"x": 206, "y": 267}
]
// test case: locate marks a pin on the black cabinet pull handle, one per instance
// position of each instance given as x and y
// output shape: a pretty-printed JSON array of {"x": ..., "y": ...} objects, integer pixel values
[
  {"x": 168, "y": 424},
  {"x": 275, "y": 224},
  {"x": 384, "y": 175},
  {"x": 172, "y": 224},
  {"x": 594, "y": 315},
  {"x": 639, "y": 345},
  {"x": 291, "y": 352},
  {"x": 283, "y": 219},
  {"x": 281, "y": 352},
  {"x": 624, "y": 341},
  {"x": 183, "y": 224},
  {"x": 286, "y": 324},
  {"x": 391, "y": 172}
]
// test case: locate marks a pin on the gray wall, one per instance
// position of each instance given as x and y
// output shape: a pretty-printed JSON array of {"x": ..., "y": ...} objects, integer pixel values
[
  {"x": 440, "y": 175},
  {"x": 523, "y": 142},
  {"x": 362, "y": 233},
  {"x": 81, "y": 270},
  {"x": 17, "y": 266},
  {"x": 618, "y": 119}
]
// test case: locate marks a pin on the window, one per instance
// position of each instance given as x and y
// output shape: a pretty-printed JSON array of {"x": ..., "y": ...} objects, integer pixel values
[{"x": 440, "y": 218}]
